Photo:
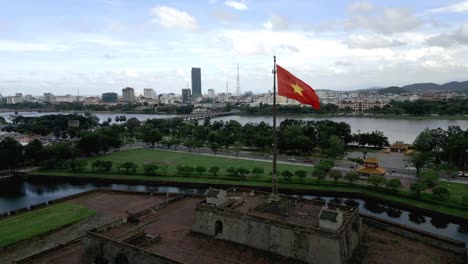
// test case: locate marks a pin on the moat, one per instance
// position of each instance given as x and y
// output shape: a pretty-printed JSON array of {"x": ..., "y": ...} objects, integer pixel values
[{"x": 23, "y": 193}]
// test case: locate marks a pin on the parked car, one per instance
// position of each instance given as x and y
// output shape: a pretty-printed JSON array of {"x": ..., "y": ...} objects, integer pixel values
[
  {"x": 292, "y": 159},
  {"x": 463, "y": 174},
  {"x": 309, "y": 161}
]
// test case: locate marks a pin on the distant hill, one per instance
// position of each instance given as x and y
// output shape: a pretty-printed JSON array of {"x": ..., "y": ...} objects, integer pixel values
[
  {"x": 425, "y": 87},
  {"x": 392, "y": 90}
]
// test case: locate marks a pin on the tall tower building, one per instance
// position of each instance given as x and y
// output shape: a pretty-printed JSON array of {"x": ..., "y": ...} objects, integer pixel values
[
  {"x": 128, "y": 94},
  {"x": 186, "y": 96},
  {"x": 196, "y": 82},
  {"x": 149, "y": 93}
]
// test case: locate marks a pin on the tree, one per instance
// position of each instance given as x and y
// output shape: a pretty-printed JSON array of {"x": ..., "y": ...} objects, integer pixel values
[
  {"x": 77, "y": 165},
  {"x": 419, "y": 159},
  {"x": 231, "y": 171},
  {"x": 376, "y": 180},
  {"x": 129, "y": 166},
  {"x": 200, "y": 169},
  {"x": 214, "y": 170},
  {"x": 11, "y": 153},
  {"x": 440, "y": 193},
  {"x": 351, "y": 176},
  {"x": 319, "y": 174},
  {"x": 150, "y": 168},
  {"x": 257, "y": 171},
  {"x": 34, "y": 152},
  {"x": 336, "y": 175},
  {"x": 242, "y": 172},
  {"x": 107, "y": 165},
  {"x": 287, "y": 174},
  {"x": 301, "y": 174},
  {"x": 418, "y": 187},
  {"x": 214, "y": 147},
  {"x": 429, "y": 178},
  {"x": 394, "y": 184},
  {"x": 335, "y": 147},
  {"x": 325, "y": 165}
]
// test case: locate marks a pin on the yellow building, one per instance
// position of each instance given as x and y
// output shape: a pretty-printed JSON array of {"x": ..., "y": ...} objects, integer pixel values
[{"x": 371, "y": 167}]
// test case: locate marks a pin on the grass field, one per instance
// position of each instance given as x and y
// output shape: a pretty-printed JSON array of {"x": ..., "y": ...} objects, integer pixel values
[
  {"x": 172, "y": 159},
  {"x": 451, "y": 206},
  {"x": 27, "y": 225}
]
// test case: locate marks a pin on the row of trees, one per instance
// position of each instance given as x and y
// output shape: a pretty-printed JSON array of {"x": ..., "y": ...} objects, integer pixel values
[{"x": 443, "y": 149}]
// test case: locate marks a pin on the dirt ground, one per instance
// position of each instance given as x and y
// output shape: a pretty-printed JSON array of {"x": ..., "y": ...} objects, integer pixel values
[{"x": 383, "y": 247}]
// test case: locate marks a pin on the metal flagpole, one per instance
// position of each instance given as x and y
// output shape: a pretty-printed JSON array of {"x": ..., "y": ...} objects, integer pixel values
[{"x": 275, "y": 152}]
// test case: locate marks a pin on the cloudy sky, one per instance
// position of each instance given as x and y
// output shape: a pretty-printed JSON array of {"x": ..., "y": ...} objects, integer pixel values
[{"x": 104, "y": 45}]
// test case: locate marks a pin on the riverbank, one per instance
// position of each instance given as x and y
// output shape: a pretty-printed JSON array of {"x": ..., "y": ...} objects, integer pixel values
[
  {"x": 349, "y": 115},
  {"x": 293, "y": 115}
]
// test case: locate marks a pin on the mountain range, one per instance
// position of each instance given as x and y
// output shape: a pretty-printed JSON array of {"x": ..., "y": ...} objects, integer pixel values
[{"x": 461, "y": 87}]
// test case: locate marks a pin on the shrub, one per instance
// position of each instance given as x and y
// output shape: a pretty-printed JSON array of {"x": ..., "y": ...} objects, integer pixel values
[
  {"x": 242, "y": 172},
  {"x": 129, "y": 166},
  {"x": 77, "y": 165},
  {"x": 357, "y": 160},
  {"x": 301, "y": 174},
  {"x": 231, "y": 171},
  {"x": 189, "y": 169},
  {"x": 336, "y": 175},
  {"x": 440, "y": 193},
  {"x": 258, "y": 171},
  {"x": 351, "y": 176},
  {"x": 418, "y": 187},
  {"x": 287, "y": 174},
  {"x": 394, "y": 184},
  {"x": 200, "y": 169},
  {"x": 319, "y": 174},
  {"x": 214, "y": 170},
  {"x": 150, "y": 168},
  {"x": 376, "y": 180},
  {"x": 429, "y": 178},
  {"x": 163, "y": 168},
  {"x": 325, "y": 165},
  {"x": 107, "y": 165}
]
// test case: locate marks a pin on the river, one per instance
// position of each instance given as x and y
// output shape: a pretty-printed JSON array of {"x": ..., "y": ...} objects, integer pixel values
[
  {"x": 17, "y": 194},
  {"x": 405, "y": 130}
]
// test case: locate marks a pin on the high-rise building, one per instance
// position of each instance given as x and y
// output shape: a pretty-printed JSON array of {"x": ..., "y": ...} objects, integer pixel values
[
  {"x": 128, "y": 94},
  {"x": 109, "y": 97},
  {"x": 211, "y": 93},
  {"x": 49, "y": 98},
  {"x": 196, "y": 83},
  {"x": 149, "y": 93},
  {"x": 186, "y": 96}
]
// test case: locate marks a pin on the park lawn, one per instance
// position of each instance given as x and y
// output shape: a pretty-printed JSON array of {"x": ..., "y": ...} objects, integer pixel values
[
  {"x": 173, "y": 159},
  {"x": 29, "y": 224}
]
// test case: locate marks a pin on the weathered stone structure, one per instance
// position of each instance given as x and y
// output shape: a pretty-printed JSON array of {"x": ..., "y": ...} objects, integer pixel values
[{"x": 291, "y": 227}]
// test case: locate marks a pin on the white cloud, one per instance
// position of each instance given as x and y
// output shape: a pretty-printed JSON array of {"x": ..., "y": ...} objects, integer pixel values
[
  {"x": 239, "y": 5},
  {"x": 362, "y": 6},
  {"x": 456, "y": 37},
  {"x": 461, "y": 7},
  {"x": 16, "y": 46},
  {"x": 371, "y": 42},
  {"x": 388, "y": 21},
  {"x": 276, "y": 22},
  {"x": 170, "y": 18}
]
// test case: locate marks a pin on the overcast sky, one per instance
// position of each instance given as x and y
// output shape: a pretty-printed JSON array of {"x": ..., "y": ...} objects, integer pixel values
[{"x": 105, "y": 45}]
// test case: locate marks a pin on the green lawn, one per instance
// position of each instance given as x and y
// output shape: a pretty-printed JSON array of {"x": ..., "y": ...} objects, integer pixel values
[
  {"x": 142, "y": 156},
  {"x": 30, "y": 224},
  {"x": 451, "y": 206}
]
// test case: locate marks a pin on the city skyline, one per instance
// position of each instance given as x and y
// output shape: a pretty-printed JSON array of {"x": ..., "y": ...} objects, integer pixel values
[{"x": 105, "y": 45}]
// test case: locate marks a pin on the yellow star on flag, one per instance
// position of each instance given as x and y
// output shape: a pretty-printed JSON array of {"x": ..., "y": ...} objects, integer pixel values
[{"x": 297, "y": 88}]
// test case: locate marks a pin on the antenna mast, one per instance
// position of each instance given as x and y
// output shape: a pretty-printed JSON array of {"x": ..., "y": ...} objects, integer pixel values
[{"x": 238, "y": 84}]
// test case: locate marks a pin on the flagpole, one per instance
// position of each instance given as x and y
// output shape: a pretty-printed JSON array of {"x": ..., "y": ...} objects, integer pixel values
[{"x": 275, "y": 151}]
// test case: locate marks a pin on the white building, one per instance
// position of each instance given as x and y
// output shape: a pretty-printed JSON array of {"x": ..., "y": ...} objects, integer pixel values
[
  {"x": 65, "y": 99},
  {"x": 149, "y": 93},
  {"x": 211, "y": 93}
]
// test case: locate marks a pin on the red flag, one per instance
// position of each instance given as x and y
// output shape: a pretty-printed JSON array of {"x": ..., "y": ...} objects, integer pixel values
[{"x": 292, "y": 87}]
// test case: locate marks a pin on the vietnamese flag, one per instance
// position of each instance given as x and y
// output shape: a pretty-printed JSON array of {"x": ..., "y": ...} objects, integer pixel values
[{"x": 292, "y": 87}]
